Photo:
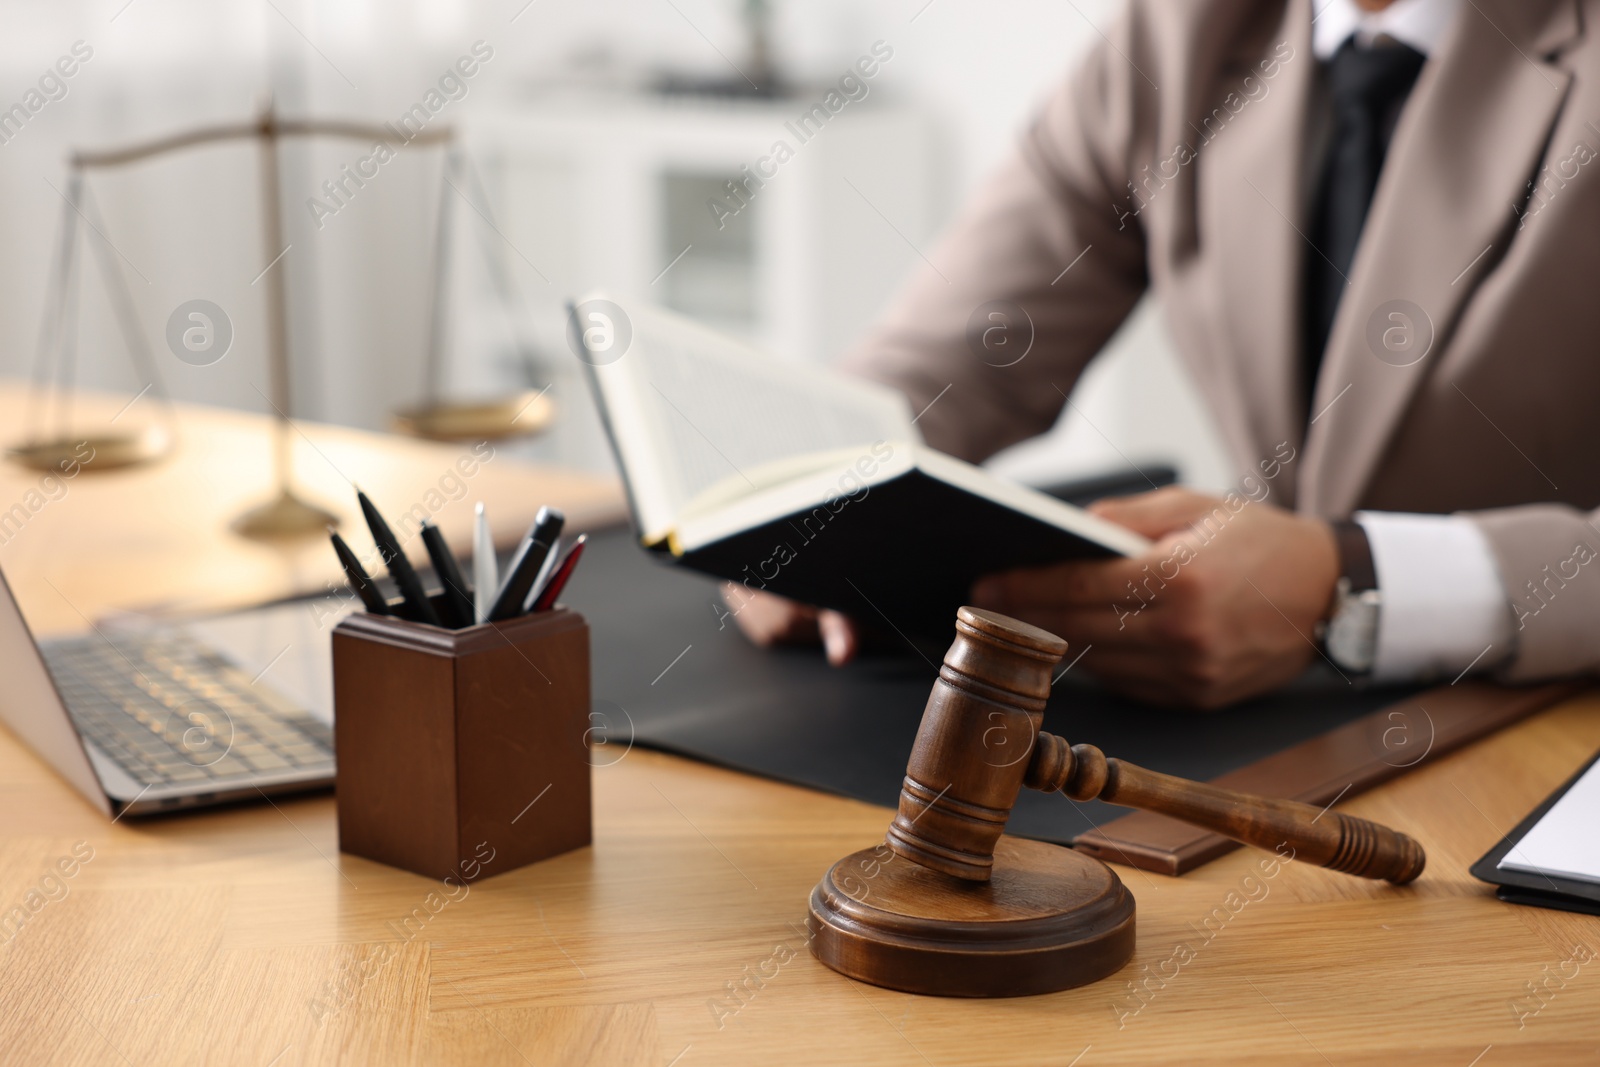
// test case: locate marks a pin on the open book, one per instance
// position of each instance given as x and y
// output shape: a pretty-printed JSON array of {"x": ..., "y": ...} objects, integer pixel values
[{"x": 807, "y": 483}]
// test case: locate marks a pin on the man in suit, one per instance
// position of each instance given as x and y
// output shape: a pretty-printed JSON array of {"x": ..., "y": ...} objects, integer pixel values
[{"x": 1374, "y": 228}]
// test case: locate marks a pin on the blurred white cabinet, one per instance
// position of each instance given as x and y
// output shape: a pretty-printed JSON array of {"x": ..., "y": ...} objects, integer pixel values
[{"x": 613, "y": 193}]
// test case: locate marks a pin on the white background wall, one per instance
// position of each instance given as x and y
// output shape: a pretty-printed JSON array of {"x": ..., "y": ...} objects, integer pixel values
[{"x": 187, "y": 227}]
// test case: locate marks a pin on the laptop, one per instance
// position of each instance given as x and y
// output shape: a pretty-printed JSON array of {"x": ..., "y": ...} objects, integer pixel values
[{"x": 157, "y": 718}]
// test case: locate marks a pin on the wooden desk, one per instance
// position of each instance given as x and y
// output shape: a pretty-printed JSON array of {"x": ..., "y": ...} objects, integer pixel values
[
  {"x": 244, "y": 936},
  {"x": 223, "y": 937}
]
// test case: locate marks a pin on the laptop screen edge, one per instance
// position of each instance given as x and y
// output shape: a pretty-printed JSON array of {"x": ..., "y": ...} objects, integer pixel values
[{"x": 32, "y": 709}]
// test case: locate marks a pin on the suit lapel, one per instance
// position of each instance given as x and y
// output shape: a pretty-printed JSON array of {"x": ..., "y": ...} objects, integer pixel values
[
  {"x": 1468, "y": 141},
  {"x": 1255, "y": 169}
]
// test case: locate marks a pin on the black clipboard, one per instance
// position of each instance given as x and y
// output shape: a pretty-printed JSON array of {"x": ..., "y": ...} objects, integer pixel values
[{"x": 1538, "y": 890}]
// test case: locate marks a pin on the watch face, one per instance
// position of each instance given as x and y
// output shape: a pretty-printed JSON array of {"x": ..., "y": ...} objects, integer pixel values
[{"x": 1353, "y": 632}]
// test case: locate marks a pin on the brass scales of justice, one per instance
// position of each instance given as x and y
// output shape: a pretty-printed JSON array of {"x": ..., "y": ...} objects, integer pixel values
[{"x": 287, "y": 514}]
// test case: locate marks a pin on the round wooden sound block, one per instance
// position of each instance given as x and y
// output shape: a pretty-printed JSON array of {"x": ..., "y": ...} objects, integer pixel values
[{"x": 1048, "y": 919}]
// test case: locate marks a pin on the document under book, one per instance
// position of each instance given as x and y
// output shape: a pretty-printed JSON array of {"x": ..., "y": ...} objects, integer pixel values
[
  {"x": 804, "y": 482},
  {"x": 1564, "y": 842},
  {"x": 1550, "y": 858}
]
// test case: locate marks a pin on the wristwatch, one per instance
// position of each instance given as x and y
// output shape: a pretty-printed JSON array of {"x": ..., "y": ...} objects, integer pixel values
[{"x": 1350, "y": 636}]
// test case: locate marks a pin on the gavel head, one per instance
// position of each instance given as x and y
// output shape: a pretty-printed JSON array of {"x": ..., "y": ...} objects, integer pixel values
[{"x": 973, "y": 747}]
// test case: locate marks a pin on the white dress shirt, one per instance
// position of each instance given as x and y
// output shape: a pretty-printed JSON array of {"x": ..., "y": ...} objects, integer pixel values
[
  {"x": 1445, "y": 608},
  {"x": 1418, "y": 23}
]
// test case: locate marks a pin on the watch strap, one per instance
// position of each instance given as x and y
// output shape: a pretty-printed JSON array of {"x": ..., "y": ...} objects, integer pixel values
[{"x": 1355, "y": 556}]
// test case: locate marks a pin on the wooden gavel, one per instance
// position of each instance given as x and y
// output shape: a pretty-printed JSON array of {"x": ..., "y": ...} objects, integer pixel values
[
  {"x": 978, "y": 913},
  {"x": 962, "y": 779}
]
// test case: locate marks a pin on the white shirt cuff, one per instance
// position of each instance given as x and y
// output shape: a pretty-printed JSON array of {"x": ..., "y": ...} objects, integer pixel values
[{"x": 1444, "y": 605}]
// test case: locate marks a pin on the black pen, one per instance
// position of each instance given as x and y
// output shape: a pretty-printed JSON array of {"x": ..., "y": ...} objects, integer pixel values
[
  {"x": 400, "y": 568},
  {"x": 359, "y": 581},
  {"x": 558, "y": 578},
  {"x": 525, "y": 565},
  {"x": 457, "y": 601}
]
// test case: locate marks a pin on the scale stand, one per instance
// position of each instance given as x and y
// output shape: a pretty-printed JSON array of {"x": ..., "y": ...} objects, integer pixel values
[{"x": 59, "y": 448}]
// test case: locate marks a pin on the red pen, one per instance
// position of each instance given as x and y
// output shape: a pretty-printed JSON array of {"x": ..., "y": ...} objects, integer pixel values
[{"x": 558, "y": 577}]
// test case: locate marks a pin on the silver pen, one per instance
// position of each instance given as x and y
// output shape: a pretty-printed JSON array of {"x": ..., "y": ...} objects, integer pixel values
[{"x": 485, "y": 579}]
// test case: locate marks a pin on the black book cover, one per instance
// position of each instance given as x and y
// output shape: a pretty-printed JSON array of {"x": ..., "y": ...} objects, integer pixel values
[{"x": 902, "y": 554}]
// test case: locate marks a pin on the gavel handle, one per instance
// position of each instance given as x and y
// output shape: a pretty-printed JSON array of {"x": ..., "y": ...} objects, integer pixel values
[{"x": 1326, "y": 838}]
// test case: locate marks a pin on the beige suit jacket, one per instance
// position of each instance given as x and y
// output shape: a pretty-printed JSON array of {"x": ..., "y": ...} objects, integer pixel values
[{"x": 1176, "y": 159}]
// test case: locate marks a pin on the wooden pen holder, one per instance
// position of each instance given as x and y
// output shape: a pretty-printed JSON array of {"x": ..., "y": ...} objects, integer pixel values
[{"x": 462, "y": 753}]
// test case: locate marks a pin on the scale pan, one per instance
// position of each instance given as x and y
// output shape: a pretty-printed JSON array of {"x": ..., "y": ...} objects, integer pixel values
[
  {"x": 111, "y": 451},
  {"x": 519, "y": 415}
]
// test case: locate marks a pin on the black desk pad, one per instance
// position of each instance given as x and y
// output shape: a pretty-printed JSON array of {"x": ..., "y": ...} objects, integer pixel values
[{"x": 671, "y": 672}]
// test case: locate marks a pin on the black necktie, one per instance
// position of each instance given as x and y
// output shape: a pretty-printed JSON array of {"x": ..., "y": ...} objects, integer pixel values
[{"x": 1368, "y": 86}]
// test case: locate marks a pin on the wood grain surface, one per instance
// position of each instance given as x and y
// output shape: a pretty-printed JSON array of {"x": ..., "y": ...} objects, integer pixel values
[{"x": 243, "y": 936}]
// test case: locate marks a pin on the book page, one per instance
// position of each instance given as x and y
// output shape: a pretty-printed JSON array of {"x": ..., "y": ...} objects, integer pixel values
[
  {"x": 695, "y": 409},
  {"x": 786, "y": 488},
  {"x": 737, "y": 492},
  {"x": 1564, "y": 842}
]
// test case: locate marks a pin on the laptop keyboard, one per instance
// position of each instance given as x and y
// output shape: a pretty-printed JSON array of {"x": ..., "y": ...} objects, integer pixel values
[{"x": 171, "y": 711}]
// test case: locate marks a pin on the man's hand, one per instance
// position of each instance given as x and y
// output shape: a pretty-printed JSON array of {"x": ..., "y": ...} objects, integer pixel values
[
  {"x": 1222, "y": 608},
  {"x": 769, "y": 620}
]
